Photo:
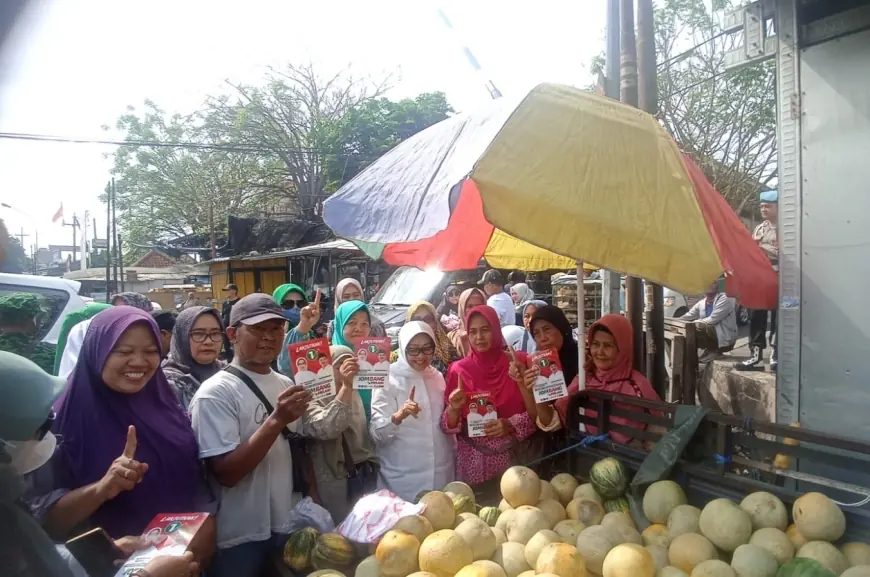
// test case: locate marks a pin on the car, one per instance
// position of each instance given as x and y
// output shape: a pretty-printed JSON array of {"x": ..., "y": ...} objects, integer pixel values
[{"x": 58, "y": 297}]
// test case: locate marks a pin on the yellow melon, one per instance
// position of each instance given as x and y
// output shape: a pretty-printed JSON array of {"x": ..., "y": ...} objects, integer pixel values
[
  {"x": 417, "y": 525},
  {"x": 561, "y": 559},
  {"x": 444, "y": 553},
  {"x": 629, "y": 560},
  {"x": 512, "y": 558},
  {"x": 538, "y": 541},
  {"x": 564, "y": 485},
  {"x": 422, "y": 574},
  {"x": 587, "y": 491},
  {"x": 504, "y": 506},
  {"x": 829, "y": 556},
  {"x": 690, "y": 549},
  {"x": 500, "y": 537},
  {"x": 856, "y": 553},
  {"x": 713, "y": 568},
  {"x": 482, "y": 568},
  {"x": 569, "y": 530},
  {"x": 368, "y": 567},
  {"x": 505, "y": 519},
  {"x": 660, "y": 555},
  {"x": 479, "y": 537},
  {"x": 818, "y": 518},
  {"x": 525, "y": 523},
  {"x": 529, "y": 573},
  {"x": 656, "y": 535},
  {"x": 753, "y": 561},
  {"x": 765, "y": 510},
  {"x": 547, "y": 491},
  {"x": 660, "y": 499},
  {"x": 397, "y": 554},
  {"x": 795, "y": 536},
  {"x": 617, "y": 518},
  {"x": 627, "y": 534},
  {"x": 774, "y": 542},
  {"x": 553, "y": 510},
  {"x": 520, "y": 486},
  {"x": 439, "y": 510},
  {"x": 683, "y": 519},
  {"x": 586, "y": 511},
  {"x": 857, "y": 571},
  {"x": 464, "y": 517},
  {"x": 725, "y": 524},
  {"x": 671, "y": 572}
]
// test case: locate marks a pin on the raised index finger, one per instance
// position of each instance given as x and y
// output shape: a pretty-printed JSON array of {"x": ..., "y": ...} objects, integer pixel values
[
  {"x": 413, "y": 390},
  {"x": 459, "y": 382},
  {"x": 317, "y": 298},
  {"x": 130, "y": 446}
]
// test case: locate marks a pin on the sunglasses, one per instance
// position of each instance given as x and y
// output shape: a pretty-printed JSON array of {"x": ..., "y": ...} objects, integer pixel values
[
  {"x": 288, "y": 304},
  {"x": 43, "y": 430},
  {"x": 453, "y": 293}
]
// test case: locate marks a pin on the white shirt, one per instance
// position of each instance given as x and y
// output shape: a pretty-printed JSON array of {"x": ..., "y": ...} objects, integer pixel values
[
  {"x": 73, "y": 347},
  {"x": 224, "y": 413},
  {"x": 305, "y": 378},
  {"x": 325, "y": 372},
  {"x": 504, "y": 307},
  {"x": 365, "y": 365},
  {"x": 382, "y": 366}
]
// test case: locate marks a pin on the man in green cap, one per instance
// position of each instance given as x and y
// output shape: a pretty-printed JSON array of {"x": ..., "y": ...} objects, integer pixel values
[{"x": 20, "y": 317}]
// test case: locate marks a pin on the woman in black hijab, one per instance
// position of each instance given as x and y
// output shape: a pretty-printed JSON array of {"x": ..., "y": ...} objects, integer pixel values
[{"x": 551, "y": 330}]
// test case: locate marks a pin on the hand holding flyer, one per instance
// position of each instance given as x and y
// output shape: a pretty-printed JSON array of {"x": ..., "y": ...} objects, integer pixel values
[
  {"x": 373, "y": 358},
  {"x": 312, "y": 368},
  {"x": 168, "y": 534},
  {"x": 481, "y": 411},
  {"x": 550, "y": 384}
]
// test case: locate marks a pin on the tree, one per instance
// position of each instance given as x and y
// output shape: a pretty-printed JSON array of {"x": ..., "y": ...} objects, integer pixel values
[
  {"x": 16, "y": 259},
  {"x": 726, "y": 121}
]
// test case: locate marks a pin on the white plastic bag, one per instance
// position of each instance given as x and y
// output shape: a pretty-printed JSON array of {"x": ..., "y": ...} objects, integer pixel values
[
  {"x": 307, "y": 513},
  {"x": 374, "y": 515}
]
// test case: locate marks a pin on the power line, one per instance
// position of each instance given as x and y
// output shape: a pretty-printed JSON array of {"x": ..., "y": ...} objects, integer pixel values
[{"x": 689, "y": 52}]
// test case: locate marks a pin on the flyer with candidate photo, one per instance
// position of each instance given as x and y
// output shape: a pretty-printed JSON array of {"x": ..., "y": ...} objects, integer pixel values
[
  {"x": 373, "y": 357},
  {"x": 168, "y": 534},
  {"x": 480, "y": 412},
  {"x": 312, "y": 368},
  {"x": 550, "y": 384}
]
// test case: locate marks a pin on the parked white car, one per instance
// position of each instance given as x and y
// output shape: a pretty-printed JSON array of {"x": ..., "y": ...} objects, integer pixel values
[{"x": 58, "y": 296}]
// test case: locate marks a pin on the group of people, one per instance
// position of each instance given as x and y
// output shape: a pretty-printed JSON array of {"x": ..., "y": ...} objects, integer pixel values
[{"x": 143, "y": 434}]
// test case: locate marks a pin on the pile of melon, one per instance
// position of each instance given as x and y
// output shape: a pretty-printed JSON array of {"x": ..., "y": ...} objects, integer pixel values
[{"x": 562, "y": 528}]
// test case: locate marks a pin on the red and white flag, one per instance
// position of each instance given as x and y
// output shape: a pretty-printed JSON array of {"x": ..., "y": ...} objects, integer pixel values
[{"x": 58, "y": 215}]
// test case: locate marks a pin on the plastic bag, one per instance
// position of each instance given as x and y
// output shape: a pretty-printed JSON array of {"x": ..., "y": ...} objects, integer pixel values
[
  {"x": 374, "y": 515},
  {"x": 307, "y": 513}
]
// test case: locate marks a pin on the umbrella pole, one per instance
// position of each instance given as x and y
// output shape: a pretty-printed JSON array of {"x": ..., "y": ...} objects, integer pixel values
[{"x": 581, "y": 334}]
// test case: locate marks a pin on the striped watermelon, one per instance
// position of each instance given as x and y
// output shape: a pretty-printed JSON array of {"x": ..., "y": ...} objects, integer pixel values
[
  {"x": 297, "y": 550},
  {"x": 333, "y": 551},
  {"x": 609, "y": 478},
  {"x": 618, "y": 505}
]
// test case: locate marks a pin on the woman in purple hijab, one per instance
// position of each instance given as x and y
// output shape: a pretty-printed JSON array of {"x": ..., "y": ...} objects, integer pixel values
[{"x": 127, "y": 451}]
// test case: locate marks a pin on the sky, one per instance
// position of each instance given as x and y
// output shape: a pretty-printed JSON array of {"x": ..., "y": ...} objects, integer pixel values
[{"x": 73, "y": 66}]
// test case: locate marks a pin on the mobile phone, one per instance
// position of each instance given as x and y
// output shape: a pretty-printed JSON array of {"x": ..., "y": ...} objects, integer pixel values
[{"x": 96, "y": 552}]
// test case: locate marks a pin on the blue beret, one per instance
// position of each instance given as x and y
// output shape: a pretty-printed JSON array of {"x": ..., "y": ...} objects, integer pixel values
[{"x": 769, "y": 196}]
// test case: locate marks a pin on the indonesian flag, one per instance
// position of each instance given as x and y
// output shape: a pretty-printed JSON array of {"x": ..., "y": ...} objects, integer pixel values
[{"x": 58, "y": 215}]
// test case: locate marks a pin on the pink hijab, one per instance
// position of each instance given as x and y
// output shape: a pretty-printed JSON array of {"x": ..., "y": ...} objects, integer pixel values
[{"x": 488, "y": 370}]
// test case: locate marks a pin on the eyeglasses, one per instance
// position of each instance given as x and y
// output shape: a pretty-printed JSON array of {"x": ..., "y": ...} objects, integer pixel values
[
  {"x": 201, "y": 336},
  {"x": 43, "y": 430},
  {"x": 417, "y": 351},
  {"x": 288, "y": 304}
]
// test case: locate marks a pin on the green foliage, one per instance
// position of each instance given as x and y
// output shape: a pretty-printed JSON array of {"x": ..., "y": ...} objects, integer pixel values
[{"x": 16, "y": 260}]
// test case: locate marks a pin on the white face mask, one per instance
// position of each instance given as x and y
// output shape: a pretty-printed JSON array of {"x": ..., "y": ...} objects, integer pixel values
[{"x": 28, "y": 456}]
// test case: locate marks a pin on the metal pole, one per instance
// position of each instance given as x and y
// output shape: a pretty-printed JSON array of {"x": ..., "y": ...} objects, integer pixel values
[
  {"x": 611, "y": 282},
  {"x": 121, "y": 262},
  {"x": 108, "y": 240},
  {"x": 628, "y": 89},
  {"x": 211, "y": 236},
  {"x": 115, "y": 235},
  {"x": 74, "y": 221}
]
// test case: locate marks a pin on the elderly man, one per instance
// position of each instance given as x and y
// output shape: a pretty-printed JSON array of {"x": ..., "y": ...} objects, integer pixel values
[
  {"x": 765, "y": 236},
  {"x": 716, "y": 321}
]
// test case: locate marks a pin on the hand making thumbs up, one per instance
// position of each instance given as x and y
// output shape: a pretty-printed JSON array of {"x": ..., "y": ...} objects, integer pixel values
[
  {"x": 125, "y": 472},
  {"x": 457, "y": 398},
  {"x": 409, "y": 408}
]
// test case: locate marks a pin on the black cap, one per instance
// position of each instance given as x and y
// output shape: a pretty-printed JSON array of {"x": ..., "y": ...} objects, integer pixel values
[
  {"x": 255, "y": 308},
  {"x": 492, "y": 276},
  {"x": 230, "y": 287}
]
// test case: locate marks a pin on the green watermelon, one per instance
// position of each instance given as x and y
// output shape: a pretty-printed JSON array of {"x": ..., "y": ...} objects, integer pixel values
[
  {"x": 463, "y": 504},
  {"x": 609, "y": 478},
  {"x": 803, "y": 567},
  {"x": 297, "y": 550},
  {"x": 333, "y": 551},
  {"x": 618, "y": 505},
  {"x": 489, "y": 515}
]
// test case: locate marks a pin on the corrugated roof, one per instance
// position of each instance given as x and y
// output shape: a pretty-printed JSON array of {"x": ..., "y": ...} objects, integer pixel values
[{"x": 314, "y": 249}]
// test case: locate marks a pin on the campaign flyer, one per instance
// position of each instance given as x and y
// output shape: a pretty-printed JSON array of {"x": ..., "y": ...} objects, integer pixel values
[
  {"x": 312, "y": 368},
  {"x": 373, "y": 357},
  {"x": 480, "y": 412},
  {"x": 550, "y": 384},
  {"x": 167, "y": 534}
]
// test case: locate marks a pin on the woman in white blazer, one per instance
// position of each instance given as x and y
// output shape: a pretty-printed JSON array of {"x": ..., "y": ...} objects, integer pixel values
[{"x": 415, "y": 454}]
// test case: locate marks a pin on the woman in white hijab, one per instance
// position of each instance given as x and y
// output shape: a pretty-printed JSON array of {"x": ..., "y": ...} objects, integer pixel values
[
  {"x": 415, "y": 454},
  {"x": 350, "y": 289}
]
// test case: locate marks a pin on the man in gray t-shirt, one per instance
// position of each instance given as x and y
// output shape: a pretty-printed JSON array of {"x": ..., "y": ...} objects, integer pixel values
[{"x": 242, "y": 443}]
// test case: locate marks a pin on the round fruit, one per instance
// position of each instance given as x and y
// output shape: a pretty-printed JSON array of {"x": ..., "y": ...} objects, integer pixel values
[
  {"x": 562, "y": 560},
  {"x": 297, "y": 550},
  {"x": 609, "y": 478},
  {"x": 520, "y": 486},
  {"x": 713, "y": 568},
  {"x": 526, "y": 522},
  {"x": 500, "y": 537},
  {"x": 420, "y": 496},
  {"x": 479, "y": 537},
  {"x": 505, "y": 519},
  {"x": 547, "y": 491},
  {"x": 627, "y": 534},
  {"x": 774, "y": 542},
  {"x": 586, "y": 511},
  {"x": 417, "y": 525},
  {"x": 439, "y": 510},
  {"x": 826, "y": 554},
  {"x": 538, "y": 541},
  {"x": 326, "y": 573},
  {"x": 504, "y": 506},
  {"x": 422, "y": 574},
  {"x": 671, "y": 572},
  {"x": 660, "y": 499},
  {"x": 464, "y": 517},
  {"x": 368, "y": 567},
  {"x": 766, "y": 510},
  {"x": 489, "y": 515},
  {"x": 618, "y": 505},
  {"x": 553, "y": 510},
  {"x": 856, "y": 553},
  {"x": 857, "y": 571},
  {"x": 459, "y": 488},
  {"x": 689, "y": 550},
  {"x": 463, "y": 504},
  {"x": 482, "y": 568},
  {"x": 795, "y": 537},
  {"x": 656, "y": 535},
  {"x": 333, "y": 551},
  {"x": 818, "y": 518},
  {"x": 397, "y": 553},
  {"x": 660, "y": 555},
  {"x": 629, "y": 560},
  {"x": 529, "y": 573},
  {"x": 587, "y": 491},
  {"x": 804, "y": 568},
  {"x": 594, "y": 543},
  {"x": 753, "y": 561},
  {"x": 444, "y": 553},
  {"x": 564, "y": 485},
  {"x": 568, "y": 530},
  {"x": 617, "y": 518},
  {"x": 683, "y": 519},
  {"x": 511, "y": 557},
  {"x": 725, "y": 524}
]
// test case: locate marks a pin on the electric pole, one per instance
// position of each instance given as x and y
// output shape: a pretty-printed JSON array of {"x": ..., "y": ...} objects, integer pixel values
[
  {"x": 629, "y": 95},
  {"x": 73, "y": 224},
  {"x": 611, "y": 281},
  {"x": 648, "y": 99}
]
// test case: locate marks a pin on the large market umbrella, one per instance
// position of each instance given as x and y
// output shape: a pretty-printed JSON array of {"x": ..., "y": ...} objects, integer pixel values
[{"x": 564, "y": 170}]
